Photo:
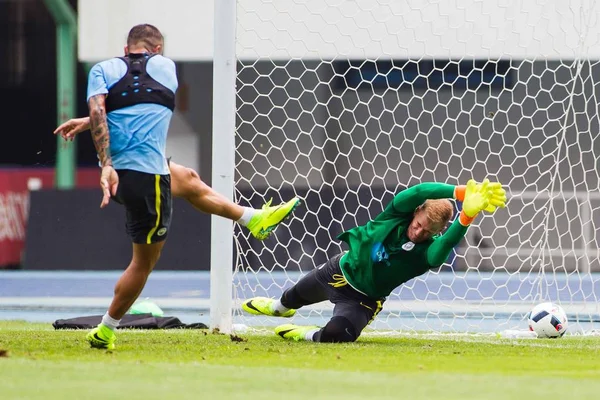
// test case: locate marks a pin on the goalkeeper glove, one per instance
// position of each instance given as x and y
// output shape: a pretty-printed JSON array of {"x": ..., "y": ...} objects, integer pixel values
[
  {"x": 476, "y": 199},
  {"x": 479, "y": 197},
  {"x": 497, "y": 196}
]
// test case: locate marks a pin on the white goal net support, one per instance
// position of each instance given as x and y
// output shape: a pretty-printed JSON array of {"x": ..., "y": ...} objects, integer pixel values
[{"x": 345, "y": 103}]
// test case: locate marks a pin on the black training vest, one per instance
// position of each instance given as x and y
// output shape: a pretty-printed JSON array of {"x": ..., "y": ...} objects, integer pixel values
[{"x": 137, "y": 87}]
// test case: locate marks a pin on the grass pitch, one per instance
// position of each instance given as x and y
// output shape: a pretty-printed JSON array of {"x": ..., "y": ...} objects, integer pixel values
[{"x": 37, "y": 362}]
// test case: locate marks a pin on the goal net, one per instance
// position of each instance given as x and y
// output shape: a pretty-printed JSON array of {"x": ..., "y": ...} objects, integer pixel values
[{"x": 345, "y": 103}]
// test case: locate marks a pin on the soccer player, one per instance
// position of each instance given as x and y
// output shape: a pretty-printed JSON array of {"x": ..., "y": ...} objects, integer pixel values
[
  {"x": 131, "y": 100},
  {"x": 401, "y": 243},
  {"x": 186, "y": 183}
]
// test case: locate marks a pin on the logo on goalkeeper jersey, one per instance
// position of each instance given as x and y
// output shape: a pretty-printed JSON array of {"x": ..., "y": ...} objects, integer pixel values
[
  {"x": 380, "y": 254},
  {"x": 408, "y": 246}
]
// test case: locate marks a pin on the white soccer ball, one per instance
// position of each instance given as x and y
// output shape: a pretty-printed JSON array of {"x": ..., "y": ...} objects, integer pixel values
[{"x": 548, "y": 320}]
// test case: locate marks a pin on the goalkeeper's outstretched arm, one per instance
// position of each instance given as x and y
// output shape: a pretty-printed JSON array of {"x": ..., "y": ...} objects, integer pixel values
[
  {"x": 440, "y": 250},
  {"x": 409, "y": 199},
  {"x": 476, "y": 198}
]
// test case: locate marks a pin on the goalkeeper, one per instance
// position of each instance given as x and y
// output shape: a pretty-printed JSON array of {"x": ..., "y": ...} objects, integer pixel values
[{"x": 401, "y": 243}]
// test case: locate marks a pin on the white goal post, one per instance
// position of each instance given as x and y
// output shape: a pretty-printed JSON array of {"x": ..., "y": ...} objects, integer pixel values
[{"x": 344, "y": 103}]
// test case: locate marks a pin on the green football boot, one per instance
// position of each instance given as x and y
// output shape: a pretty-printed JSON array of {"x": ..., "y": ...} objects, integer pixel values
[
  {"x": 264, "y": 306},
  {"x": 264, "y": 222},
  {"x": 102, "y": 337},
  {"x": 294, "y": 332}
]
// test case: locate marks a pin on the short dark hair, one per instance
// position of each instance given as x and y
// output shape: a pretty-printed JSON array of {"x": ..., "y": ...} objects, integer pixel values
[{"x": 147, "y": 34}]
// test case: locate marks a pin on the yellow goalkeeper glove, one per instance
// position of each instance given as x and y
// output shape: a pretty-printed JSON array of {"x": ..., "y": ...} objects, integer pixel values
[
  {"x": 476, "y": 200},
  {"x": 497, "y": 195},
  {"x": 478, "y": 197}
]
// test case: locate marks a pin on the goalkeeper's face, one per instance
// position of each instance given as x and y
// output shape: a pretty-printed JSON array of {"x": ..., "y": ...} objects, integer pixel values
[{"x": 422, "y": 228}]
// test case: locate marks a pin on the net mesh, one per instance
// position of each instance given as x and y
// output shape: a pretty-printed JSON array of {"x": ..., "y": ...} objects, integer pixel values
[{"x": 345, "y": 103}]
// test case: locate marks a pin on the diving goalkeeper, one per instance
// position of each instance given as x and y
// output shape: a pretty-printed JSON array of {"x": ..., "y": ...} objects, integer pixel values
[{"x": 402, "y": 242}]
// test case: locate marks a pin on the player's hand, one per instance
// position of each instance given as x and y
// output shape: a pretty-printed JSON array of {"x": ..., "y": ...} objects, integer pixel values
[
  {"x": 68, "y": 130},
  {"x": 496, "y": 196},
  {"x": 477, "y": 198},
  {"x": 109, "y": 181}
]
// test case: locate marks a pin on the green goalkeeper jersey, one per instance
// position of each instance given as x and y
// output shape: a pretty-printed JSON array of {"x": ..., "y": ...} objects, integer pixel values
[{"x": 381, "y": 257}]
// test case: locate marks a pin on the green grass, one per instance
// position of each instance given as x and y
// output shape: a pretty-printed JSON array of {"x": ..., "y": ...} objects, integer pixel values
[{"x": 47, "y": 364}]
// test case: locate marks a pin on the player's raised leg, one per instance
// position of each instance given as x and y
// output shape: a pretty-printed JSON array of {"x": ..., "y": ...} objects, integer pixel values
[{"x": 186, "y": 183}]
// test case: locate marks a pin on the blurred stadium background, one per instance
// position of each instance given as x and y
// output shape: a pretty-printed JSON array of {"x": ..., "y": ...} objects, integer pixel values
[{"x": 342, "y": 103}]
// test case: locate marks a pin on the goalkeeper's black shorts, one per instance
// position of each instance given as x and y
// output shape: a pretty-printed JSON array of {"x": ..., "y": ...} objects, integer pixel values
[{"x": 328, "y": 283}]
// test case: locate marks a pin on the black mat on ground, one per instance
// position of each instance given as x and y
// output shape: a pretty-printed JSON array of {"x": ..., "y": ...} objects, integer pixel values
[{"x": 129, "y": 321}]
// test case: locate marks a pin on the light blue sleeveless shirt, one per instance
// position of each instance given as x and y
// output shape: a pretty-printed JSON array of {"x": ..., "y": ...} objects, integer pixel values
[{"x": 138, "y": 134}]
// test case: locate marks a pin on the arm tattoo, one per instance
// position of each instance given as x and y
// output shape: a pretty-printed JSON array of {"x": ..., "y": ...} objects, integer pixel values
[{"x": 99, "y": 128}]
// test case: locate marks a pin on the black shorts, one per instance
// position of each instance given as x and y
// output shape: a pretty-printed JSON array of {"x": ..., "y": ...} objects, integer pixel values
[
  {"x": 328, "y": 283},
  {"x": 147, "y": 200}
]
